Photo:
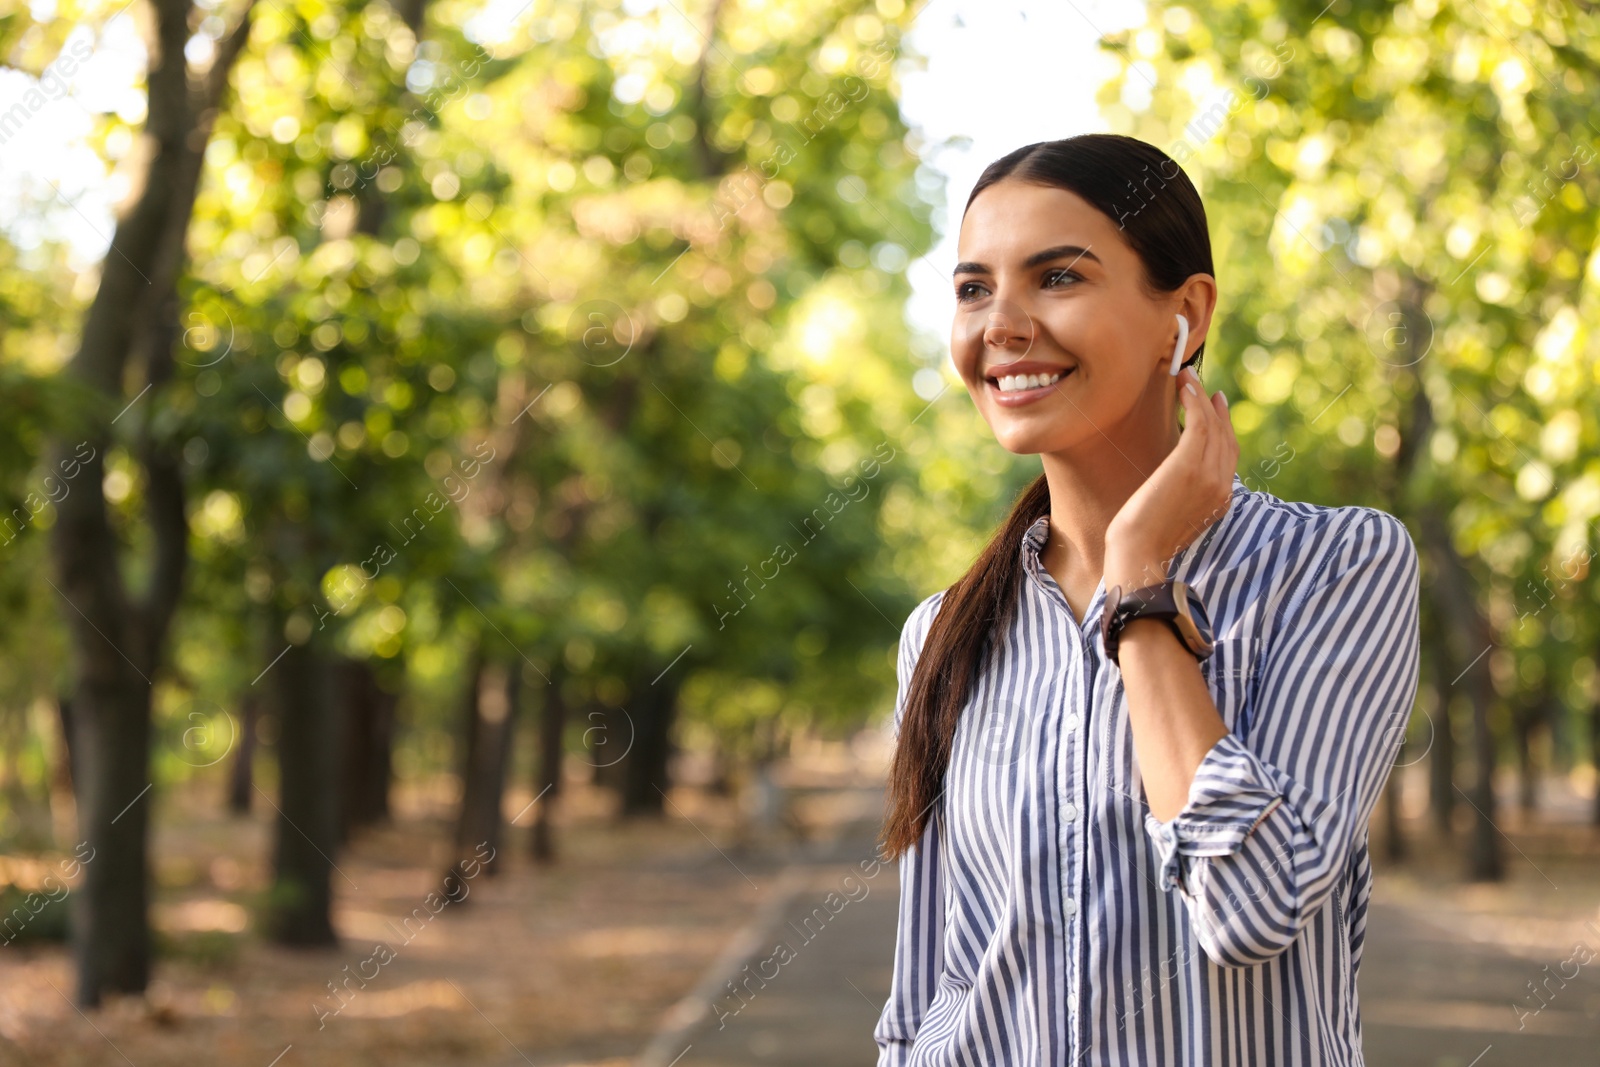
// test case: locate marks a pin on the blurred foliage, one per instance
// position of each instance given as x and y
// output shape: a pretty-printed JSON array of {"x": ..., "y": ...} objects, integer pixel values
[
  {"x": 586, "y": 342},
  {"x": 33, "y": 915}
]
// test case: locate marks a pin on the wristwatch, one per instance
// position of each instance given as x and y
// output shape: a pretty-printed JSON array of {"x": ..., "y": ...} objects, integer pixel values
[{"x": 1172, "y": 600}]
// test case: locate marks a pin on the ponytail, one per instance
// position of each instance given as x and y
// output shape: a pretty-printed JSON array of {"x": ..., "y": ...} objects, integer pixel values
[{"x": 970, "y": 614}]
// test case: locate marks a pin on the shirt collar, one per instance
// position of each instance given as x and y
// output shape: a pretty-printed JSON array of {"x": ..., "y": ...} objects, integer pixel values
[{"x": 1034, "y": 538}]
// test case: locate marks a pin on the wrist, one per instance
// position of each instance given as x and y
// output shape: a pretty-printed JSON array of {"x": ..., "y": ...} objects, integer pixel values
[
  {"x": 1133, "y": 571},
  {"x": 1170, "y": 602},
  {"x": 1144, "y": 632}
]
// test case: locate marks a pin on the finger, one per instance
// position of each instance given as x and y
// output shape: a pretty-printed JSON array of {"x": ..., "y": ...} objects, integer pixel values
[
  {"x": 1215, "y": 437},
  {"x": 1207, "y": 402},
  {"x": 1200, "y": 413},
  {"x": 1229, "y": 437},
  {"x": 1224, "y": 413},
  {"x": 1191, "y": 394}
]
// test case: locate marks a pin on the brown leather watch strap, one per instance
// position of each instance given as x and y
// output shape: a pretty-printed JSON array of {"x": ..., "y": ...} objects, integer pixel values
[{"x": 1168, "y": 601}]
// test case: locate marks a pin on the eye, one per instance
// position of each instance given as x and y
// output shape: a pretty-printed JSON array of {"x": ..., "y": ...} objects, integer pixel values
[
  {"x": 1061, "y": 274},
  {"x": 964, "y": 294}
]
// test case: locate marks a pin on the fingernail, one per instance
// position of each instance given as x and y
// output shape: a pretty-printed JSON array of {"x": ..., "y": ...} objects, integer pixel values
[
  {"x": 1190, "y": 387},
  {"x": 1224, "y": 397}
]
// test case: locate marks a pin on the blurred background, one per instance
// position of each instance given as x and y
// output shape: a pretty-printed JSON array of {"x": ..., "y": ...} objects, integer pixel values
[{"x": 466, "y": 463}]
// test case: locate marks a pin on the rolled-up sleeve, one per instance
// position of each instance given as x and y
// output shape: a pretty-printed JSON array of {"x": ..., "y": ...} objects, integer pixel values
[
  {"x": 919, "y": 936},
  {"x": 1273, "y": 817}
]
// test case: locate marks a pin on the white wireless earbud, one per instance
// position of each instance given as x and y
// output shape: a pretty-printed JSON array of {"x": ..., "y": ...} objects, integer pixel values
[{"x": 1183, "y": 342}]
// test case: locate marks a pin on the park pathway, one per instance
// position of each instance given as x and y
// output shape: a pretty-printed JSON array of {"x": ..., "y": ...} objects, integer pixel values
[
  {"x": 1431, "y": 997},
  {"x": 813, "y": 1001}
]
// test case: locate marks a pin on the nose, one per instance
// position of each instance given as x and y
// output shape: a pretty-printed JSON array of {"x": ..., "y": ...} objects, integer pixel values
[
  {"x": 1001, "y": 333},
  {"x": 1008, "y": 323},
  {"x": 996, "y": 333},
  {"x": 1000, "y": 330}
]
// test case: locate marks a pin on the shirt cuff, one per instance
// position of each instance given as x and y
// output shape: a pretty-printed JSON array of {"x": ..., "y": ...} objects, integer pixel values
[{"x": 1232, "y": 792}]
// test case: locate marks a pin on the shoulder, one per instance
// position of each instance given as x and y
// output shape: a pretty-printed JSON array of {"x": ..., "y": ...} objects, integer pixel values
[
  {"x": 915, "y": 631},
  {"x": 1304, "y": 539},
  {"x": 912, "y": 636},
  {"x": 1300, "y": 548},
  {"x": 1342, "y": 540}
]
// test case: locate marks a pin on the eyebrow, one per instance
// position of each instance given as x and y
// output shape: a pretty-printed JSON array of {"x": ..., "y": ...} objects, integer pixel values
[{"x": 1049, "y": 254}]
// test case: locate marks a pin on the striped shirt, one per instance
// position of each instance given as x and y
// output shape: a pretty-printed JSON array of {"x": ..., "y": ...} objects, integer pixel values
[{"x": 1048, "y": 918}]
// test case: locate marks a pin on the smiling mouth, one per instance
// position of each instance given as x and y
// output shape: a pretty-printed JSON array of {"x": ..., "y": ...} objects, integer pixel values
[{"x": 1016, "y": 384}]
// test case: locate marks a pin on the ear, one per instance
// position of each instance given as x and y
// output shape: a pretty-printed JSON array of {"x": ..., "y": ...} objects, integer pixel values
[{"x": 1196, "y": 300}]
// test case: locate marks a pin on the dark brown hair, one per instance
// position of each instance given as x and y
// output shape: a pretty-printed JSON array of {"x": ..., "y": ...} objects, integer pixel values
[{"x": 1161, "y": 218}]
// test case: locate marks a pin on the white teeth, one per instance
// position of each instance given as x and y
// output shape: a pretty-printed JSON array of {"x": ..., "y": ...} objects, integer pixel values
[{"x": 1012, "y": 383}]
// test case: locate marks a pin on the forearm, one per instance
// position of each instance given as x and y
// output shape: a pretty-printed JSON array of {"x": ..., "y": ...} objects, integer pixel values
[
  {"x": 1258, "y": 835},
  {"x": 1244, "y": 877},
  {"x": 1173, "y": 719}
]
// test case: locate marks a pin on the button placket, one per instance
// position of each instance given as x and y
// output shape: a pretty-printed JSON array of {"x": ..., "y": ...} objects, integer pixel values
[
  {"x": 1071, "y": 771},
  {"x": 1074, "y": 803},
  {"x": 1080, "y": 803},
  {"x": 1064, "y": 799}
]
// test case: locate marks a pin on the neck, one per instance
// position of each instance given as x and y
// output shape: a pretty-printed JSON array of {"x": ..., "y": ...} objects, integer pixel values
[{"x": 1089, "y": 484}]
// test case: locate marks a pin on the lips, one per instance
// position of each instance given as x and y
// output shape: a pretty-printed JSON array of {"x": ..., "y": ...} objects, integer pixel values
[{"x": 1012, "y": 385}]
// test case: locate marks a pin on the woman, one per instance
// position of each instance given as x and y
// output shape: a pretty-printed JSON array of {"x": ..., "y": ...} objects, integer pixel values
[{"x": 1145, "y": 842}]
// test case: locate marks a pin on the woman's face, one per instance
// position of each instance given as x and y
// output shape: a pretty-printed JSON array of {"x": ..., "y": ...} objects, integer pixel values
[{"x": 1047, "y": 287}]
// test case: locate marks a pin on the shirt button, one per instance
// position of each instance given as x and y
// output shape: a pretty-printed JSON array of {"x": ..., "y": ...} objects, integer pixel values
[
  {"x": 1072, "y": 907},
  {"x": 1072, "y": 720},
  {"x": 1070, "y": 812},
  {"x": 1072, "y": 1000}
]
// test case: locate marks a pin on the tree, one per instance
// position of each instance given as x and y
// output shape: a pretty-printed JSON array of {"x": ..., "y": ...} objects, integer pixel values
[
  {"x": 489, "y": 725},
  {"x": 368, "y": 749},
  {"x": 306, "y": 832},
  {"x": 329, "y": 408},
  {"x": 705, "y": 401},
  {"x": 119, "y": 637}
]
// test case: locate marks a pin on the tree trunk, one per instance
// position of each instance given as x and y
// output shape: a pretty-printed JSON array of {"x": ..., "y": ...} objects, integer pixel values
[
  {"x": 1594, "y": 754},
  {"x": 1394, "y": 842},
  {"x": 1442, "y": 764},
  {"x": 307, "y": 833},
  {"x": 368, "y": 747},
  {"x": 110, "y": 928},
  {"x": 722, "y": 775},
  {"x": 1594, "y": 737},
  {"x": 65, "y": 774},
  {"x": 547, "y": 774},
  {"x": 646, "y": 777},
  {"x": 372, "y": 210},
  {"x": 1463, "y": 628},
  {"x": 1485, "y": 860},
  {"x": 1532, "y": 712},
  {"x": 1415, "y": 424},
  {"x": 118, "y": 641},
  {"x": 1470, "y": 638},
  {"x": 608, "y": 737},
  {"x": 490, "y": 720},
  {"x": 241, "y": 777}
]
